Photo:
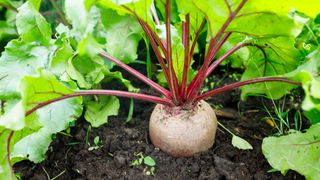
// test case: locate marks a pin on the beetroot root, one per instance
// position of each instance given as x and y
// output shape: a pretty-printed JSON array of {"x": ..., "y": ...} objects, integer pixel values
[{"x": 183, "y": 132}]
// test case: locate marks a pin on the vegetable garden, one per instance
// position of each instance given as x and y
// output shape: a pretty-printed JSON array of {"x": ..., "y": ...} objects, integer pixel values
[{"x": 207, "y": 89}]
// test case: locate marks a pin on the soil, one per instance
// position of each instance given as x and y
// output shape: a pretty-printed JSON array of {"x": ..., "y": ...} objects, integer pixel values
[{"x": 69, "y": 157}]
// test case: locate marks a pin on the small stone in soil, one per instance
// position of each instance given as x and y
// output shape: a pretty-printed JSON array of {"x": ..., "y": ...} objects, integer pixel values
[
  {"x": 131, "y": 133},
  {"x": 195, "y": 168}
]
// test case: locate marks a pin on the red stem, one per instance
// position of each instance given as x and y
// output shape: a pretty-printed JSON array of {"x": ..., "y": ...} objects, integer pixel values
[
  {"x": 187, "y": 58},
  {"x": 166, "y": 71},
  {"x": 8, "y": 153},
  {"x": 152, "y": 39},
  {"x": 148, "y": 81},
  {"x": 217, "y": 48},
  {"x": 139, "y": 96},
  {"x": 242, "y": 83},
  {"x": 172, "y": 74},
  {"x": 152, "y": 35},
  {"x": 155, "y": 40},
  {"x": 216, "y": 63},
  {"x": 196, "y": 84},
  {"x": 145, "y": 27}
]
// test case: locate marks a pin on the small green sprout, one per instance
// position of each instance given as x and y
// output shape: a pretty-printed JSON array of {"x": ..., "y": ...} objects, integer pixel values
[
  {"x": 97, "y": 144},
  {"x": 146, "y": 160}
]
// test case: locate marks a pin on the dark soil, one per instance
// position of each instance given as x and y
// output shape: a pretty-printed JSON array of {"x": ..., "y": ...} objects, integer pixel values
[
  {"x": 120, "y": 142},
  {"x": 69, "y": 157}
]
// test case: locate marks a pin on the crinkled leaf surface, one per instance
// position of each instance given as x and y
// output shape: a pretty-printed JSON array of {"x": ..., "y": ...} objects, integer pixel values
[
  {"x": 59, "y": 59},
  {"x": 20, "y": 59},
  {"x": 89, "y": 46},
  {"x": 86, "y": 71},
  {"x": 89, "y": 72},
  {"x": 297, "y": 151},
  {"x": 13, "y": 118},
  {"x": 98, "y": 111},
  {"x": 123, "y": 35},
  {"x": 78, "y": 15},
  {"x": 85, "y": 21},
  {"x": 308, "y": 75},
  {"x": 53, "y": 118},
  {"x": 32, "y": 26}
]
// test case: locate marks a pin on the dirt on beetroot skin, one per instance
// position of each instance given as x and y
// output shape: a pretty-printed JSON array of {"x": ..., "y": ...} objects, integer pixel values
[{"x": 70, "y": 158}]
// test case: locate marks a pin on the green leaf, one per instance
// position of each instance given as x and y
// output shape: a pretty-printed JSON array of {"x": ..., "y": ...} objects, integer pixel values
[
  {"x": 255, "y": 25},
  {"x": 89, "y": 46},
  {"x": 196, "y": 15},
  {"x": 177, "y": 49},
  {"x": 86, "y": 71},
  {"x": 149, "y": 161},
  {"x": 277, "y": 57},
  {"x": 5, "y": 167},
  {"x": 7, "y": 3},
  {"x": 239, "y": 58},
  {"x": 84, "y": 21},
  {"x": 96, "y": 140},
  {"x": 14, "y": 115},
  {"x": 19, "y": 59},
  {"x": 50, "y": 119},
  {"x": 118, "y": 76},
  {"x": 313, "y": 115},
  {"x": 123, "y": 35},
  {"x": 141, "y": 7},
  {"x": 89, "y": 4},
  {"x": 309, "y": 38},
  {"x": 60, "y": 57},
  {"x": 32, "y": 26},
  {"x": 7, "y": 31},
  {"x": 35, "y": 3},
  {"x": 98, "y": 111},
  {"x": 308, "y": 75},
  {"x": 309, "y": 7},
  {"x": 298, "y": 151},
  {"x": 78, "y": 15},
  {"x": 254, "y": 15},
  {"x": 240, "y": 143}
]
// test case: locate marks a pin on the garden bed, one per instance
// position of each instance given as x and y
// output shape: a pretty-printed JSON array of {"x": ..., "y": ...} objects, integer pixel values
[
  {"x": 70, "y": 158},
  {"x": 59, "y": 57}
]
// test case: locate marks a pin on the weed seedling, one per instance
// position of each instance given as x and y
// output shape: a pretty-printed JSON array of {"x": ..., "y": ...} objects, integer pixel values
[
  {"x": 146, "y": 160},
  {"x": 96, "y": 144}
]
